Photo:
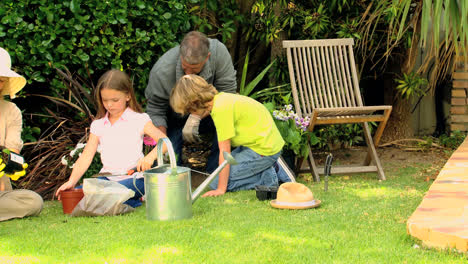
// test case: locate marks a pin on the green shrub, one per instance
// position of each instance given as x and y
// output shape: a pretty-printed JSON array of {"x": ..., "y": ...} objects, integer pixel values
[
  {"x": 452, "y": 141},
  {"x": 89, "y": 37}
]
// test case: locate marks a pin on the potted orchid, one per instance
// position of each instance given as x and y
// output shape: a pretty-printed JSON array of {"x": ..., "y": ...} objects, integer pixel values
[{"x": 294, "y": 131}]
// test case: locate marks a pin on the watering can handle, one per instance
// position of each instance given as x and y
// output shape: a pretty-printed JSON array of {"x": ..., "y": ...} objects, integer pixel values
[
  {"x": 170, "y": 150},
  {"x": 134, "y": 184}
]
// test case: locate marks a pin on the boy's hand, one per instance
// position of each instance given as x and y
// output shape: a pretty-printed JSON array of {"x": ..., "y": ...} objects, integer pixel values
[
  {"x": 190, "y": 130},
  {"x": 216, "y": 192}
]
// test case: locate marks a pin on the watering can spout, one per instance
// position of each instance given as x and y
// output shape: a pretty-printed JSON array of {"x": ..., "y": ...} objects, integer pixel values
[{"x": 228, "y": 158}]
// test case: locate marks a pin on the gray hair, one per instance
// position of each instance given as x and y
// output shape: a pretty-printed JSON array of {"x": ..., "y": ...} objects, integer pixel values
[{"x": 194, "y": 47}]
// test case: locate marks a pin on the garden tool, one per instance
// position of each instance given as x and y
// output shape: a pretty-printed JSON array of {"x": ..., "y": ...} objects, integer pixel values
[
  {"x": 168, "y": 186},
  {"x": 12, "y": 165},
  {"x": 327, "y": 169}
]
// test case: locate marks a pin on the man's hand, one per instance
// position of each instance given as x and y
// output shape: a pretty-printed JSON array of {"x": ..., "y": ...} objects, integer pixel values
[{"x": 190, "y": 130}]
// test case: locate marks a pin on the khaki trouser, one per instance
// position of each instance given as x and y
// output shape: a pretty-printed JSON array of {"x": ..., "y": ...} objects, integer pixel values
[{"x": 19, "y": 203}]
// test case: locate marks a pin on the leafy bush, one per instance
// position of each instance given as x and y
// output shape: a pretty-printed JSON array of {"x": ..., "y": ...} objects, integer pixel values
[
  {"x": 340, "y": 136},
  {"x": 89, "y": 37},
  {"x": 452, "y": 141},
  {"x": 30, "y": 134},
  {"x": 84, "y": 39}
]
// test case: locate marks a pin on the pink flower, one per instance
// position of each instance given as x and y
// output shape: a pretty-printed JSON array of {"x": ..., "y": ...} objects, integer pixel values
[{"x": 149, "y": 141}]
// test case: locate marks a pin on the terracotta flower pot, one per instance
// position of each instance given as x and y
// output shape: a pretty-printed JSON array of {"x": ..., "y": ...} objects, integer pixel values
[{"x": 70, "y": 199}]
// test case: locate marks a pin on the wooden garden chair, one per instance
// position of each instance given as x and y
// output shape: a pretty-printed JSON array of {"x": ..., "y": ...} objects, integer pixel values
[{"x": 325, "y": 87}]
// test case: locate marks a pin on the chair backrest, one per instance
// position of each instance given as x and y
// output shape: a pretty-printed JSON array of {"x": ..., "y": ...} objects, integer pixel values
[{"x": 324, "y": 73}]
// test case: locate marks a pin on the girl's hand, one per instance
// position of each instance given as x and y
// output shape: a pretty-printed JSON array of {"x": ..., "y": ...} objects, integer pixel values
[
  {"x": 66, "y": 186},
  {"x": 216, "y": 192},
  {"x": 145, "y": 163}
]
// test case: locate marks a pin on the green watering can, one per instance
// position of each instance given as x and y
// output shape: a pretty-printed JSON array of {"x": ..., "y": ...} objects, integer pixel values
[{"x": 168, "y": 187}]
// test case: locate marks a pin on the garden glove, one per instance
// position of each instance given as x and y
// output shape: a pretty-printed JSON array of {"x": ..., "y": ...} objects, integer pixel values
[
  {"x": 190, "y": 130},
  {"x": 2, "y": 166},
  {"x": 14, "y": 175},
  {"x": 17, "y": 174}
]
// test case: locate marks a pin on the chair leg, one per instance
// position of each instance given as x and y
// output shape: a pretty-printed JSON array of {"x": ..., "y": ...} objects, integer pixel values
[
  {"x": 372, "y": 151},
  {"x": 298, "y": 164},
  {"x": 378, "y": 135},
  {"x": 313, "y": 166}
]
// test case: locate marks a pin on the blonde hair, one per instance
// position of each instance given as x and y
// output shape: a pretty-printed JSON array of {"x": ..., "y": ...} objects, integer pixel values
[
  {"x": 119, "y": 81},
  {"x": 190, "y": 94}
]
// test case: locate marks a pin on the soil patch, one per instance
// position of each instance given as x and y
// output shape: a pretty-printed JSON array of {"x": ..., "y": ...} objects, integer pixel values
[
  {"x": 195, "y": 156},
  {"x": 389, "y": 155}
]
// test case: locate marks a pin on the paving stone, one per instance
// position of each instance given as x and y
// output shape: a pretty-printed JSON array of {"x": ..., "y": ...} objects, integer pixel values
[{"x": 441, "y": 220}]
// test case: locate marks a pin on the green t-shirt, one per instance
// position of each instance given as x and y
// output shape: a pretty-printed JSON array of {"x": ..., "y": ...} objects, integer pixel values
[{"x": 245, "y": 122}]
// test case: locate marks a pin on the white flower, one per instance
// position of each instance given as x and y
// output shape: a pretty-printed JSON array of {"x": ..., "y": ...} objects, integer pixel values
[
  {"x": 64, "y": 161},
  {"x": 80, "y": 145}
]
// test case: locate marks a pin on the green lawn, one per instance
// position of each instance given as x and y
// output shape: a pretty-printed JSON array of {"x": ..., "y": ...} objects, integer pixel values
[{"x": 361, "y": 220}]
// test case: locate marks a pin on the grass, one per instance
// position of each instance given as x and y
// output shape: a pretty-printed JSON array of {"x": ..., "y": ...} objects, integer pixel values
[{"x": 361, "y": 220}]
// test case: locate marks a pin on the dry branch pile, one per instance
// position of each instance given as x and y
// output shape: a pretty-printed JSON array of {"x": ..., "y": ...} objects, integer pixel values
[{"x": 46, "y": 171}]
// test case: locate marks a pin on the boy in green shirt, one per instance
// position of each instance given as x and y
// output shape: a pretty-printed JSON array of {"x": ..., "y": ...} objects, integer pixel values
[{"x": 240, "y": 122}]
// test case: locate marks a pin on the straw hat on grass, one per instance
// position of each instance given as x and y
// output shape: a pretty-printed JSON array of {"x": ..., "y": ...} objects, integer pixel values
[{"x": 293, "y": 195}]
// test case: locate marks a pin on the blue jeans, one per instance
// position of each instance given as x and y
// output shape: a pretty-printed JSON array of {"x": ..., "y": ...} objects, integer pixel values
[
  {"x": 140, "y": 183},
  {"x": 174, "y": 133},
  {"x": 252, "y": 169},
  {"x": 135, "y": 200}
]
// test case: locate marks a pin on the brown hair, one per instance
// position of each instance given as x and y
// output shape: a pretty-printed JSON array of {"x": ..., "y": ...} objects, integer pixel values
[
  {"x": 119, "y": 81},
  {"x": 191, "y": 93}
]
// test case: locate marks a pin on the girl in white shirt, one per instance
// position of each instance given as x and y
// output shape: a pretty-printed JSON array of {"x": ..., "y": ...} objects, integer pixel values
[{"x": 118, "y": 129}]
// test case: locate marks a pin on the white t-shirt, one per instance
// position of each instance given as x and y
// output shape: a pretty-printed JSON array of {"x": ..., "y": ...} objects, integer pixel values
[{"x": 121, "y": 143}]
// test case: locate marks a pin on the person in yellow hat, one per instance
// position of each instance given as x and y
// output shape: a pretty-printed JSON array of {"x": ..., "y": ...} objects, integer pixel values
[{"x": 13, "y": 203}]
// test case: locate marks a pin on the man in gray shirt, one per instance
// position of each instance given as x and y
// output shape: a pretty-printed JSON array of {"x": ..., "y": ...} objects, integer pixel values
[{"x": 208, "y": 58}]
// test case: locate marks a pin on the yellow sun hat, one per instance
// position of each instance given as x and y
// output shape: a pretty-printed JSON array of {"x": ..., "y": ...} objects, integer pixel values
[{"x": 15, "y": 81}]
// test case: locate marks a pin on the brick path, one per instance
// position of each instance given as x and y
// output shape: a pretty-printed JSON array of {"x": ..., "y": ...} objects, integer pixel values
[{"x": 441, "y": 220}]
